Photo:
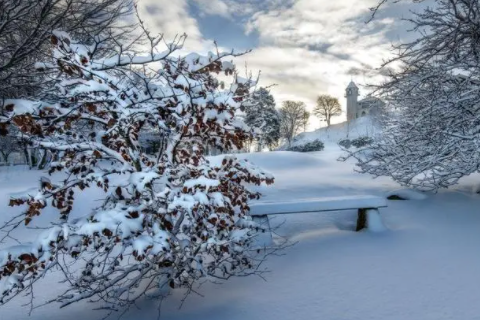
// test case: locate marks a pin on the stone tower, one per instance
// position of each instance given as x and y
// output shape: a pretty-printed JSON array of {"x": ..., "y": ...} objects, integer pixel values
[{"x": 351, "y": 93}]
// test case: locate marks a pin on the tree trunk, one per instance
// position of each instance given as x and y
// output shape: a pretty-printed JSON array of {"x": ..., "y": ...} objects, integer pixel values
[
  {"x": 31, "y": 158},
  {"x": 4, "y": 157},
  {"x": 259, "y": 145},
  {"x": 43, "y": 160},
  {"x": 27, "y": 156}
]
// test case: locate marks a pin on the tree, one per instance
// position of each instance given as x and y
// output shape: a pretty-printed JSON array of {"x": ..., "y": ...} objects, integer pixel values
[
  {"x": 166, "y": 220},
  {"x": 431, "y": 137},
  {"x": 327, "y": 107},
  {"x": 294, "y": 117},
  {"x": 263, "y": 117},
  {"x": 8, "y": 145},
  {"x": 26, "y": 25},
  {"x": 305, "y": 120}
]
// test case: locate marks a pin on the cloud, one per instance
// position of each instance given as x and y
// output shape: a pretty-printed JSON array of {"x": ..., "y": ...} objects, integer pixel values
[
  {"x": 313, "y": 47},
  {"x": 306, "y": 47},
  {"x": 171, "y": 18},
  {"x": 213, "y": 7}
]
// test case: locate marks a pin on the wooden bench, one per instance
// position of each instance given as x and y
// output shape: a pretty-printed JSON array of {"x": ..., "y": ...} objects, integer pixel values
[{"x": 367, "y": 206}]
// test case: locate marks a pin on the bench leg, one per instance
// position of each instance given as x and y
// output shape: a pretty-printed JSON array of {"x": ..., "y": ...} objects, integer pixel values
[
  {"x": 370, "y": 219},
  {"x": 361, "y": 220},
  {"x": 263, "y": 239}
]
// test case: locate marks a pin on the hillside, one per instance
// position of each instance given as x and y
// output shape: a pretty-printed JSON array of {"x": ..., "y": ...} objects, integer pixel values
[{"x": 331, "y": 135}]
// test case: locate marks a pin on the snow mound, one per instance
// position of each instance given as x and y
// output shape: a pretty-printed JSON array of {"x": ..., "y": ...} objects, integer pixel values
[
  {"x": 476, "y": 188},
  {"x": 405, "y": 194},
  {"x": 374, "y": 222}
]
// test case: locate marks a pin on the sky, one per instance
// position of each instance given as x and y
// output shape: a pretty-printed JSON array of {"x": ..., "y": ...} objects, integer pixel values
[{"x": 302, "y": 47}]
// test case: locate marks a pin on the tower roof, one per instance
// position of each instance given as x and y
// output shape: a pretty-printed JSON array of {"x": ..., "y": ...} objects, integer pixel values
[{"x": 352, "y": 85}]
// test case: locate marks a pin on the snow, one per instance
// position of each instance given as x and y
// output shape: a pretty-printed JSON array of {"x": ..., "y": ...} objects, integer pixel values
[
  {"x": 201, "y": 181},
  {"x": 43, "y": 66},
  {"x": 364, "y": 126},
  {"x": 476, "y": 188},
  {"x": 22, "y": 106},
  {"x": 424, "y": 267},
  {"x": 128, "y": 59},
  {"x": 374, "y": 221}
]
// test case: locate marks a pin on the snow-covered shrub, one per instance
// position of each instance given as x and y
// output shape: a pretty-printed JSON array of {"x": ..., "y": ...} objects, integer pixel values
[
  {"x": 166, "y": 219},
  {"x": 361, "y": 142},
  {"x": 345, "y": 143},
  {"x": 315, "y": 145}
]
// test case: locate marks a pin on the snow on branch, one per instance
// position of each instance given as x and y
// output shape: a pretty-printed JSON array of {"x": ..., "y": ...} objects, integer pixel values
[{"x": 431, "y": 133}]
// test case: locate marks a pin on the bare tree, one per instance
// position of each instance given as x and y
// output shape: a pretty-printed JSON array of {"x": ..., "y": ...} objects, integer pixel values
[
  {"x": 25, "y": 28},
  {"x": 327, "y": 107},
  {"x": 294, "y": 117}
]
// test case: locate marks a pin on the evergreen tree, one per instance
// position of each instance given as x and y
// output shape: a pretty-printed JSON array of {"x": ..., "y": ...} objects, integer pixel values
[{"x": 264, "y": 119}]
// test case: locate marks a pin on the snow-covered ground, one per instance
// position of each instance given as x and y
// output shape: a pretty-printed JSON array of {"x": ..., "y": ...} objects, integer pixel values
[
  {"x": 425, "y": 267},
  {"x": 364, "y": 126}
]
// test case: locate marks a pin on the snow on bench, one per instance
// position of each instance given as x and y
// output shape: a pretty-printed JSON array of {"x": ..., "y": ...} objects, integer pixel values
[{"x": 367, "y": 206}]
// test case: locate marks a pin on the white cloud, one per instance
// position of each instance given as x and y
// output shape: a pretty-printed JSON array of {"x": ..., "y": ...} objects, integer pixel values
[
  {"x": 171, "y": 18},
  {"x": 213, "y": 7},
  {"x": 311, "y": 47}
]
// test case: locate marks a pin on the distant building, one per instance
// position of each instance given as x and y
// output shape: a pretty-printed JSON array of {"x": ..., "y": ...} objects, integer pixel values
[{"x": 357, "y": 109}]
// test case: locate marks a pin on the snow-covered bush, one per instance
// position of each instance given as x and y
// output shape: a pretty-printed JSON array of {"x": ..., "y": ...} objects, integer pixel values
[
  {"x": 345, "y": 143},
  {"x": 315, "y": 145},
  {"x": 361, "y": 142},
  {"x": 166, "y": 219}
]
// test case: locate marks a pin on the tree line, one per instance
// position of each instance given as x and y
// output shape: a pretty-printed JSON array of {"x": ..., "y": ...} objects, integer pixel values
[{"x": 274, "y": 125}]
